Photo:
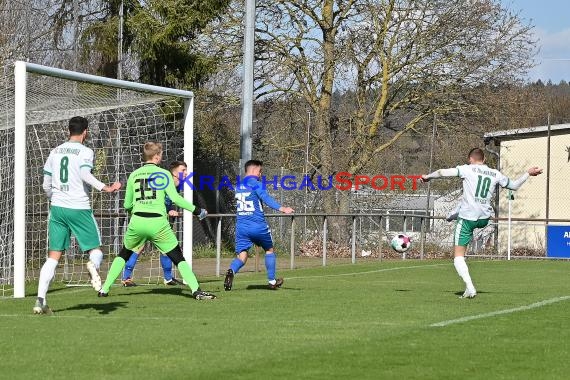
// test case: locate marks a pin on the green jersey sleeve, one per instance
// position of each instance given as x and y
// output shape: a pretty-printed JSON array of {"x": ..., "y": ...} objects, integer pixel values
[
  {"x": 177, "y": 199},
  {"x": 128, "y": 202}
]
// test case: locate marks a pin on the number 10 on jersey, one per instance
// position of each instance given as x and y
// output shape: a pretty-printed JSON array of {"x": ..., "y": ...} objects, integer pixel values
[{"x": 483, "y": 184}]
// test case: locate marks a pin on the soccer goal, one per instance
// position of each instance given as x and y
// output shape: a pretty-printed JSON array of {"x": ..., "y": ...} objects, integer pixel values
[{"x": 35, "y": 106}]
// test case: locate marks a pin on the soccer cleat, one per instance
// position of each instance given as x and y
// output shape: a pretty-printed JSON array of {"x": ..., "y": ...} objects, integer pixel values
[
  {"x": 469, "y": 294},
  {"x": 95, "y": 278},
  {"x": 229, "y": 280},
  {"x": 277, "y": 284},
  {"x": 102, "y": 294},
  {"x": 202, "y": 295},
  {"x": 41, "y": 309},
  {"x": 128, "y": 283},
  {"x": 172, "y": 282}
]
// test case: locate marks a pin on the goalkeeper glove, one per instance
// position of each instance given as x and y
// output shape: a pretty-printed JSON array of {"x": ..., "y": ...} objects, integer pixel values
[{"x": 200, "y": 213}]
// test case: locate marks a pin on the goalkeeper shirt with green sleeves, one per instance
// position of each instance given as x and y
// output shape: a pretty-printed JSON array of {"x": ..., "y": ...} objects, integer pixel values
[{"x": 147, "y": 188}]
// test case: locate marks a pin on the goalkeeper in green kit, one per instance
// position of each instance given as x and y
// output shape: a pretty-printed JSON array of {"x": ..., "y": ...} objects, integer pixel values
[{"x": 144, "y": 199}]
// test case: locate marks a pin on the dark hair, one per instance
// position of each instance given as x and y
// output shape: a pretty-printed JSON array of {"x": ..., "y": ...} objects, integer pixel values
[
  {"x": 174, "y": 164},
  {"x": 477, "y": 154},
  {"x": 252, "y": 163},
  {"x": 77, "y": 125}
]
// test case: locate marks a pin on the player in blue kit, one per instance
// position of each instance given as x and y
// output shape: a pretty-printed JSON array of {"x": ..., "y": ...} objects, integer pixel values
[{"x": 251, "y": 226}]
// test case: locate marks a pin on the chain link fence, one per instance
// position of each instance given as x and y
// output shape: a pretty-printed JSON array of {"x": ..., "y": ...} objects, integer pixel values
[{"x": 372, "y": 217}]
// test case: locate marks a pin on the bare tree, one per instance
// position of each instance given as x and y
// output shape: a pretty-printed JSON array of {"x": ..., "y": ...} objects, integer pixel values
[
  {"x": 403, "y": 61},
  {"x": 22, "y": 34},
  {"x": 45, "y": 31}
]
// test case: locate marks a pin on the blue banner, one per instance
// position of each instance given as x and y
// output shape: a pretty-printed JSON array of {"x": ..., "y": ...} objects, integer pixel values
[{"x": 558, "y": 241}]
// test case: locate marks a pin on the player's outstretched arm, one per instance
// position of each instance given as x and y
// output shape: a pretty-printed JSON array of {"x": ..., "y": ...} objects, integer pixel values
[
  {"x": 89, "y": 178},
  {"x": 267, "y": 199},
  {"x": 116, "y": 186},
  {"x": 450, "y": 172},
  {"x": 286, "y": 210},
  {"x": 531, "y": 172},
  {"x": 534, "y": 171},
  {"x": 129, "y": 195},
  {"x": 46, "y": 185},
  {"x": 178, "y": 200}
]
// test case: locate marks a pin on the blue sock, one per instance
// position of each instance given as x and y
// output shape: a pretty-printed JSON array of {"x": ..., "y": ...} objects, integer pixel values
[
  {"x": 166, "y": 264},
  {"x": 236, "y": 265},
  {"x": 270, "y": 265},
  {"x": 130, "y": 266}
]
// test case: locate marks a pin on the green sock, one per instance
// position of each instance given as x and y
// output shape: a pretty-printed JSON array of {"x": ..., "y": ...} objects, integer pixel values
[
  {"x": 188, "y": 275},
  {"x": 114, "y": 272}
]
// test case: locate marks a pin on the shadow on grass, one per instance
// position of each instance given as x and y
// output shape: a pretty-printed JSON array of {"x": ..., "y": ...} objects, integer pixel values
[
  {"x": 102, "y": 308},
  {"x": 478, "y": 293},
  {"x": 259, "y": 287},
  {"x": 68, "y": 288},
  {"x": 208, "y": 281},
  {"x": 184, "y": 292},
  {"x": 265, "y": 287}
]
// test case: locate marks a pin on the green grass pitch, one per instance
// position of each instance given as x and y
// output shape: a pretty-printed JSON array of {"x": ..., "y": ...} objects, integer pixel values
[{"x": 375, "y": 320}]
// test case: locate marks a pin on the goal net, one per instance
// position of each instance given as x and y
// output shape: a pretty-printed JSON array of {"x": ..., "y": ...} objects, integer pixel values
[{"x": 122, "y": 117}]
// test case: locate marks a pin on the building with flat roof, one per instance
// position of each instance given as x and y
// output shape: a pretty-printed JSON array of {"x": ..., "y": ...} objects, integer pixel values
[{"x": 545, "y": 197}]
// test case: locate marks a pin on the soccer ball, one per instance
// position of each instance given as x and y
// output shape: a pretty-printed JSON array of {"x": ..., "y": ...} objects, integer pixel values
[{"x": 401, "y": 243}]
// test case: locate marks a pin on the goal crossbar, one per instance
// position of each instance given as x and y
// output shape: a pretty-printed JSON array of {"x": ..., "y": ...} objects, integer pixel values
[{"x": 111, "y": 82}]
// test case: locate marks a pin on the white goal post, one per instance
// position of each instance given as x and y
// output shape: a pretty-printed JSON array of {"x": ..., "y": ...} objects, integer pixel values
[{"x": 21, "y": 149}]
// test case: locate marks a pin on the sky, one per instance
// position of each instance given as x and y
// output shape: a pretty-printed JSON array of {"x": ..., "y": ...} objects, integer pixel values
[{"x": 551, "y": 20}]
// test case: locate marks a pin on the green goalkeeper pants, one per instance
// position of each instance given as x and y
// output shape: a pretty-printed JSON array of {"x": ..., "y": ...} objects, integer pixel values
[{"x": 154, "y": 229}]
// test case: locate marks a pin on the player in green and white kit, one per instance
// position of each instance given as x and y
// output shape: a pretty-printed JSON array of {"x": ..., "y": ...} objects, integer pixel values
[
  {"x": 146, "y": 190},
  {"x": 67, "y": 172},
  {"x": 479, "y": 182}
]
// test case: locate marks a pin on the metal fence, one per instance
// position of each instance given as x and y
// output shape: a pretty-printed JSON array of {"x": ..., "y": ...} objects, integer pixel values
[{"x": 369, "y": 239}]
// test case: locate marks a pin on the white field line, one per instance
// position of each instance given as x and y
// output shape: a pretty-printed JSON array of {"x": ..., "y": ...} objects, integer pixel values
[
  {"x": 87, "y": 286},
  {"x": 82, "y": 287},
  {"x": 98, "y": 315},
  {"x": 353, "y": 273},
  {"x": 501, "y": 312},
  {"x": 295, "y": 322},
  {"x": 367, "y": 272}
]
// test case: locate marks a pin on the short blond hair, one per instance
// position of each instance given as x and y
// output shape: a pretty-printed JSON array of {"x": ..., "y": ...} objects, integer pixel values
[{"x": 151, "y": 149}]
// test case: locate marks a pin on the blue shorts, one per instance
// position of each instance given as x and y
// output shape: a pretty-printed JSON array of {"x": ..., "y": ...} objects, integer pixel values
[{"x": 246, "y": 237}]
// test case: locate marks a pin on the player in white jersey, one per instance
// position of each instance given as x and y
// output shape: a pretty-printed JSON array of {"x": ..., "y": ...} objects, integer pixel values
[
  {"x": 67, "y": 177},
  {"x": 479, "y": 182}
]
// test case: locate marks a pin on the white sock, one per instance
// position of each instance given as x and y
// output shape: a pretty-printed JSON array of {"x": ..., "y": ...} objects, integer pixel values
[
  {"x": 463, "y": 271},
  {"x": 96, "y": 257},
  {"x": 46, "y": 275}
]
